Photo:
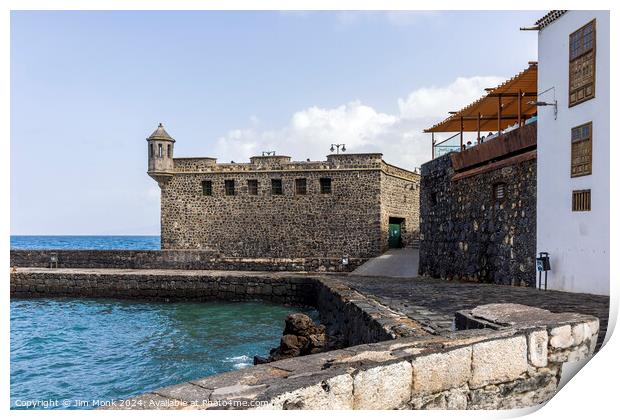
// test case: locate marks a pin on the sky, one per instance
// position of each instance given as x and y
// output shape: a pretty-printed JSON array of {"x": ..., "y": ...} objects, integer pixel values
[{"x": 87, "y": 88}]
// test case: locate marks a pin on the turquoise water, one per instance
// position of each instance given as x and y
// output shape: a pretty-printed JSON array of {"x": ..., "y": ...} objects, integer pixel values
[
  {"x": 85, "y": 350},
  {"x": 84, "y": 242}
]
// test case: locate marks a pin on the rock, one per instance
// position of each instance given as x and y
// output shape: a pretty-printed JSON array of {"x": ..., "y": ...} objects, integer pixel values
[
  {"x": 298, "y": 324},
  {"x": 300, "y": 337},
  {"x": 259, "y": 360}
]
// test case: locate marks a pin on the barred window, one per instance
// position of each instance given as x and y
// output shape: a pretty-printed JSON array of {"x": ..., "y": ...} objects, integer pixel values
[
  {"x": 229, "y": 186},
  {"x": 582, "y": 200},
  {"x": 326, "y": 185},
  {"x": 499, "y": 191},
  {"x": 300, "y": 186},
  {"x": 252, "y": 186},
  {"x": 582, "y": 57},
  {"x": 207, "y": 188},
  {"x": 581, "y": 150},
  {"x": 276, "y": 187}
]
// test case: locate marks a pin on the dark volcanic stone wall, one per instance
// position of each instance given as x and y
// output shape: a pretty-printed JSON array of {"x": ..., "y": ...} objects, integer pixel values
[{"x": 468, "y": 235}]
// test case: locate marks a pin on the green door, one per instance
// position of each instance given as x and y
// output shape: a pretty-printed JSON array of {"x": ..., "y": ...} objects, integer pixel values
[{"x": 394, "y": 240}]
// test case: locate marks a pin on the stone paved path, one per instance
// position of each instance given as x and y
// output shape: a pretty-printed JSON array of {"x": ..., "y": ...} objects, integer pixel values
[
  {"x": 394, "y": 263},
  {"x": 433, "y": 302}
]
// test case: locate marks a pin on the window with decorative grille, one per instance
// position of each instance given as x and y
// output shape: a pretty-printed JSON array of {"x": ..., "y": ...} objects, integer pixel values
[
  {"x": 582, "y": 60},
  {"x": 581, "y": 150},
  {"x": 499, "y": 191},
  {"x": 252, "y": 186},
  {"x": 229, "y": 186},
  {"x": 300, "y": 186},
  {"x": 207, "y": 188},
  {"x": 582, "y": 200}
]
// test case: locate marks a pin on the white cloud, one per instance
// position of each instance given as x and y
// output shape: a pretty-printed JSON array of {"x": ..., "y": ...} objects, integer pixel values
[
  {"x": 437, "y": 101},
  {"x": 362, "y": 128}
]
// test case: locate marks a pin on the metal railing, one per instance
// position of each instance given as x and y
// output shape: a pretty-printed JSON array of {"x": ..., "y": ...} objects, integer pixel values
[{"x": 451, "y": 144}]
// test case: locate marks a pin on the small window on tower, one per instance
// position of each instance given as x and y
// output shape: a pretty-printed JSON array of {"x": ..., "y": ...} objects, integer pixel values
[
  {"x": 151, "y": 150},
  {"x": 326, "y": 185},
  {"x": 300, "y": 186},
  {"x": 169, "y": 151},
  {"x": 276, "y": 187},
  {"x": 207, "y": 188},
  {"x": 252, "y": 186},
  {"x": 160, "y": 150},
  {"x": 229, "y": 186}
]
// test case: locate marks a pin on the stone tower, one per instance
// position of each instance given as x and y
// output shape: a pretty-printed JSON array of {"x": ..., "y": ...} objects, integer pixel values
[{"x": 161, "y": 152}]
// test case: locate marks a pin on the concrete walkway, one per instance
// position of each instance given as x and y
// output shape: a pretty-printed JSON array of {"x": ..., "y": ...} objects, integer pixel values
[{"x": 399, "y": 263}]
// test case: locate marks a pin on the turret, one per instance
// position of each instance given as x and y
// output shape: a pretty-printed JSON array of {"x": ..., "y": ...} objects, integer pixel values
[{"x": 160, "y": 152}]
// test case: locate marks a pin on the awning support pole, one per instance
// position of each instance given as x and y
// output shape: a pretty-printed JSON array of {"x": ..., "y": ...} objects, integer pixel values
[
  {"x": 461, "y": 132},
  {"x": 499, "y": 114},
  {"x": 519, "y": 109}
]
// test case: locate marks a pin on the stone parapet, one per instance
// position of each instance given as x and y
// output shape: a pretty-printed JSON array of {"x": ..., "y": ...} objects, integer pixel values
[
  {"x": 175, "y": 260},
  {"x": 469, "y": 369}
]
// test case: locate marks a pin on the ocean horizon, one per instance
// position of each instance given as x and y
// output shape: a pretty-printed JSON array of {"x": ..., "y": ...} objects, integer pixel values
[{"x": 136, "y": 242}]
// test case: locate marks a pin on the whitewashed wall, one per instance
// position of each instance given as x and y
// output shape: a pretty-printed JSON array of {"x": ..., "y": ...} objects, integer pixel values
[{"x": 578, "y": 242}]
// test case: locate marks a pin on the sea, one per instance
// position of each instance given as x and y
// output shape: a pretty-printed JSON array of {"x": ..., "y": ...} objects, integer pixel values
[{"x": 82, "y": 353}]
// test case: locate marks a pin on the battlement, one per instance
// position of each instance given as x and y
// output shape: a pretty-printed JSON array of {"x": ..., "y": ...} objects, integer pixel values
[{"x": 339, "y": 162}]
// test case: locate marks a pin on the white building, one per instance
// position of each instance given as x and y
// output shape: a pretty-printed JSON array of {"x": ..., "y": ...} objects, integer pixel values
[{"x": 573, "y": 187}]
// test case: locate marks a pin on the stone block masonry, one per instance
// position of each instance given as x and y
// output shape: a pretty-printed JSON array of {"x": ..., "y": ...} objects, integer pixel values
[
  {"x": 273, "y": 207},
  {"x": 481, "y": 227},
  {"x": 470, "y": 369}
]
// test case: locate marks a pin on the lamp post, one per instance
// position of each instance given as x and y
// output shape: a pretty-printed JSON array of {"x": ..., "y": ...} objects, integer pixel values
[
  {"x": 554, "y": 104},
  {"x": 338, "y": 147}
]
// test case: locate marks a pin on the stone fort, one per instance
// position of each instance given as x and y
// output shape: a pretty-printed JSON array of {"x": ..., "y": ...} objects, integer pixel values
[{"x": 353, "y": 205}]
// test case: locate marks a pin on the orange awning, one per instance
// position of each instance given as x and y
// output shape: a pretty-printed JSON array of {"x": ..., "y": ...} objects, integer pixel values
[{"x": 485, "y": 111}]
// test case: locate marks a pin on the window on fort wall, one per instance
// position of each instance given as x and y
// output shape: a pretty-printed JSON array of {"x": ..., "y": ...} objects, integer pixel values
[
  {"x": 252, "y": 186},
  {"x": 207, "y": 188},
  {"x": 582, "y": 200},
  {"x": 300, "y": 186},
  {"x": 582, "y": 60},
  {"x": 326, "y": 185},
  {"x": 276, "y": 187},
  {"x": 229, "y": 187},
  {"x": 160, "y": 150},
  {"x": 151, "y": 150},
  {"x": 169, "y": 151},
  {"x": 581, "y": 150}
]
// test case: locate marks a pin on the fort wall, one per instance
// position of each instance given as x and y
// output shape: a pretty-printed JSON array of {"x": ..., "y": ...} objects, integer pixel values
[{"x": 349, "y": 218}]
